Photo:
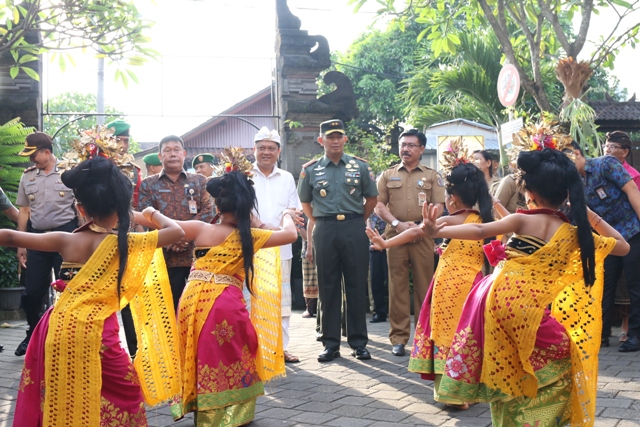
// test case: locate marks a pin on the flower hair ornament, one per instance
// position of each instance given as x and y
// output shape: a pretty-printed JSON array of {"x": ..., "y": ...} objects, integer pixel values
[
  {"x": 545, "y": 134},
  {"x": 456, "y": 154},
  {"x": 99, "y": 141},
  {"x": 233, "y": 159}
]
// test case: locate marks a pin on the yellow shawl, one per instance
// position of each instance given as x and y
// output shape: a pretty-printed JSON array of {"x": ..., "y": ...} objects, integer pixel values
[
  {"x": 515, "y": 306},
  {"x": 199, "y": 296},
  {"x": 457, "y": 269},
  {"x": 73, "y": 371}
]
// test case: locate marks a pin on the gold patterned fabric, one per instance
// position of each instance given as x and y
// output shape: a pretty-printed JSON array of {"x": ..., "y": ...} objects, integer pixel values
[
  {"x": 72, "y": 366},
  {"x": 452, "y": 281},
  {"x": 522, "y": 289},
  {"x": 198, "y": 299}
]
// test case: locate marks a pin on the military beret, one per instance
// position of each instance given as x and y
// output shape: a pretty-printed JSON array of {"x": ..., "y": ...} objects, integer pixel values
[
  {"x": 152, "y": 159},
  {"x": 202, "y": 158},
  {"x": 331, "y": 126},
  {"x": 120, "y": 127}
]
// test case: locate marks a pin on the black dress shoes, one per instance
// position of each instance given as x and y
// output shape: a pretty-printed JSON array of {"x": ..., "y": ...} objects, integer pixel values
[
  {"x": 631, "y": 344},
  {"x": 328, "y": 354},
  {"x": 398, "y": 350},
  {"x": 377, "y": 318},
  {"x": 361, "y": 353},
  {"x": 22, "y": 348},
  {"x": 604, "y": 342}
]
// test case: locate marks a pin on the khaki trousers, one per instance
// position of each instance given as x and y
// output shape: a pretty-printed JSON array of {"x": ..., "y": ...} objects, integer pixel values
[{"x": 419, "y": 258}]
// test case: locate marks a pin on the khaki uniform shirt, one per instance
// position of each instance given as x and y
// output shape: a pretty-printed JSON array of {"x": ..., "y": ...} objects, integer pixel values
[
  {"x": 405, "y": 192},
  {"x": 334, "y": 189},
  {"x": 50, "y": 201},
  {"x": 508, "y": 194}
]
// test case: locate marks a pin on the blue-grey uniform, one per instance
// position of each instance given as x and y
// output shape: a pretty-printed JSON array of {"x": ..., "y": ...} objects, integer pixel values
[
  {"x": 51, "y": 209},
  {"x": 341, "y": 247}
]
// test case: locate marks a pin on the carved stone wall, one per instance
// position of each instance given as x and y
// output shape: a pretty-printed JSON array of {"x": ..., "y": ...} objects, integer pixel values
[{"x": 300, "y": 58}]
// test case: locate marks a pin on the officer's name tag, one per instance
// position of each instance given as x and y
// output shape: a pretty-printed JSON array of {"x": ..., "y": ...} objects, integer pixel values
[
  {"x": 193, "y": 207},
  {"x": 422, "y": 198},
  {"x": 601, "y": 193}
]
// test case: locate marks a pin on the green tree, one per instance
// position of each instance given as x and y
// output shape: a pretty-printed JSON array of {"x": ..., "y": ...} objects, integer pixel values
[
  {"x": 80, "y": 103},
  {"x": 529, "y": 31},
  {"x": 112, "y": 28},
  {"x": 12, "y": 136}
]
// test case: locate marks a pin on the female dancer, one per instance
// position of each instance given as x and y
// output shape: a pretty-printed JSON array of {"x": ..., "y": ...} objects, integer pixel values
[
  {"x": 222, "y": 360},
  {"x": 459, "y": 268},
  {"x": 536, "y": 366},
  {"x": 76, "y": 372}
]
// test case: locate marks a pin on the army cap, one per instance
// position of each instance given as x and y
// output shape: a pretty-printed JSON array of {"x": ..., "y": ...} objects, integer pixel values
[
  {"x": 34, "y": 142},
  {"x": 152, "y": 160},
  {"x": 331, "y": 126},
  {"x": 120, "y": 127},
  {"x": 202, "y": 158}
]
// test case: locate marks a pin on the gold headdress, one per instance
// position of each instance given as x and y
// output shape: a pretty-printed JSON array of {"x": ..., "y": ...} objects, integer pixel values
[
  {"x": 546, "y": 134},
  {"x": 456, "y": 154},
  {"x": 101, "y": 142},
  {"x": 233, "y": 159}
]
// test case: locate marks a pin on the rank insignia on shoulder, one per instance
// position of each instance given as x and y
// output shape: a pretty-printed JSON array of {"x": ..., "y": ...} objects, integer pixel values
[
  {"x": 359, "y": 158},
  {"x": 309, "y": 163},
  {"x": 29, "y": 169}
]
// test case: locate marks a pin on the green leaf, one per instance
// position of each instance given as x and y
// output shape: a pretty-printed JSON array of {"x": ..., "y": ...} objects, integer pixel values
[
  {"x": 62, "y": 63},
  {"x": 13, "y": 71},
  {"x": 434, "y": 35},
  {"x": 16, "y": 15},
  {"x": 422, "y": 34},
  {"x": 133, "y": 76},
  {"x": 622, "y": 3},
  {"x": 27, "y": 58},
  {"x": 31, "y": 73}
]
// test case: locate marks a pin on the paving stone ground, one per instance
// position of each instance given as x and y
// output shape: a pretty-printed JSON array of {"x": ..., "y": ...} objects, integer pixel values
[{"x": 347, "y": 392}]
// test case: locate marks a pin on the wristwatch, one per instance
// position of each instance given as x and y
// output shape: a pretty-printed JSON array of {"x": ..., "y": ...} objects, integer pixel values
[{"x": 395, "y": 223}]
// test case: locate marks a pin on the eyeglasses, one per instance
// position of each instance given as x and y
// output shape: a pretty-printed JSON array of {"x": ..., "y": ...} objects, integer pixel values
[
  {"x": 411, "y": 146},
  {"x": 263, "y": 148},
  {"x": 613, "y": 146},
  {"x": 175, "y": 150}
]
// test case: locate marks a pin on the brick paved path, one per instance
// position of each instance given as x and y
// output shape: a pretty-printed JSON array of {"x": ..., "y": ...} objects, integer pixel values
[{"x": 350, "y": 393}]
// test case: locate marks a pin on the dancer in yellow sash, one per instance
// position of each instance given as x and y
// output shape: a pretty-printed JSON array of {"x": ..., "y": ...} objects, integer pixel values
[
  {"x": 537, "y": 366},
  {"x": 224, "y": 360},
  {"x": 76, "y": 372}
]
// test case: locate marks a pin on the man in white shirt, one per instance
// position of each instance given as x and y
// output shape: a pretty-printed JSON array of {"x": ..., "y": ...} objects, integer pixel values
[{"x": 275, "y": 191}]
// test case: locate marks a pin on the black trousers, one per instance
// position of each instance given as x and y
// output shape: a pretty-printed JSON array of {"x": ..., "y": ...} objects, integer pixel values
[
  {"x": 614, "y": 266},
  {"x": 379, "y": 273},
  {"x": 38, "y": 276},
  {"x": 342, "y": 250},
  {"x": 178, "y": 278}
]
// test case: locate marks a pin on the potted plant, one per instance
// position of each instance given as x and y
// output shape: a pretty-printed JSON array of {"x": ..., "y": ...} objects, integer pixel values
[{"x": 10, "y": 289}]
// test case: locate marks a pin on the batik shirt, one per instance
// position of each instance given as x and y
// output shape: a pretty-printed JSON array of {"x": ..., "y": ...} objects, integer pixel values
[{"x": 604, "y": 179}]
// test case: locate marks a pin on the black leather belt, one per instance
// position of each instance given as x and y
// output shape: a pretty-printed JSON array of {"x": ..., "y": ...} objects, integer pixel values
[
  {"x": 69, "y": 226},
  {"x": 339, "y": 217}
]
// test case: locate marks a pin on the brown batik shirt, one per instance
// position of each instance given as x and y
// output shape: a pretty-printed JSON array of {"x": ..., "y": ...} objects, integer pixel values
[{"x": 172, "y": 200}]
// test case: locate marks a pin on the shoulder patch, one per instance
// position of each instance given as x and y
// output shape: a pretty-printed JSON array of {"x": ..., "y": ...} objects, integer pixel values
[
  {"x": 360, "y": 158},
  {"x": 29, "y": 169},
  {"x": 309, "y": 163}
]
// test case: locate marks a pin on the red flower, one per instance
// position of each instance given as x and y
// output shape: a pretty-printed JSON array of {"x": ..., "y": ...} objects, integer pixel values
[
  {"x": 59, "y": 285},
  {"x": 494, "y": 251}
]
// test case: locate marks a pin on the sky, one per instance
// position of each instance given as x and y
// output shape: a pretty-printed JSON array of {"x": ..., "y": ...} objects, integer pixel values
[{"x": 215, "y": 53}]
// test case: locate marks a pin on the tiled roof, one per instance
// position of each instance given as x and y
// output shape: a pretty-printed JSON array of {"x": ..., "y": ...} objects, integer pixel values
[{"x": 613, "y": 110}]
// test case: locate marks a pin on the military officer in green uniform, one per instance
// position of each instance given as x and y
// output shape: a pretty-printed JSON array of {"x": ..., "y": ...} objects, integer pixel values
[
  {"x": 203, "y": 164},
  {"x": 338, "y": 192},
  {"x": 153, "y": 164},
  {"x": 121, "y": 132}
]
